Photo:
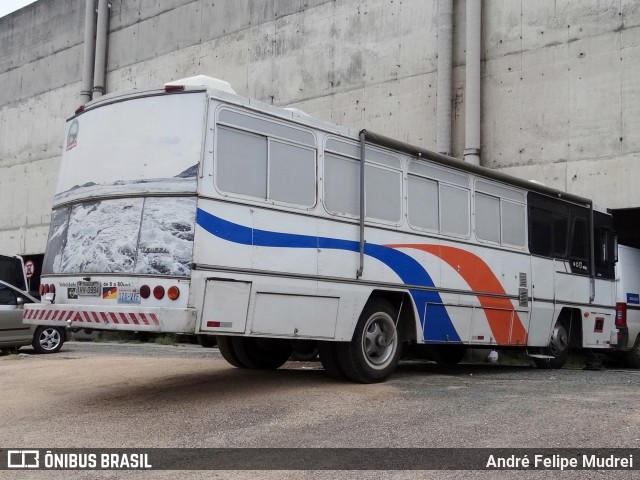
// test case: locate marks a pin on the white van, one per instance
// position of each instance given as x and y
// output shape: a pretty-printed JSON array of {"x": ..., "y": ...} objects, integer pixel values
[{"x": 628, "y": 304}]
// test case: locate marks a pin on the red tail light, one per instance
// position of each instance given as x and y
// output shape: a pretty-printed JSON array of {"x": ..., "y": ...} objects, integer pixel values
[
  {"x": 52, "y": 288},
  {"x": 173, "y": 88},
  {"x": 158, "y": 292},
  {"x": 621, "y": 315},
  {"x": 173, "y": 293},
  {"x": 46, "y": 288},
  {"x": 145, "y": 291}
]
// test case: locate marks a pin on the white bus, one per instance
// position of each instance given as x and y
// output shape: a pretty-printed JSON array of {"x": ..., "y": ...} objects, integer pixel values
[{"x": 192, "y": 209}]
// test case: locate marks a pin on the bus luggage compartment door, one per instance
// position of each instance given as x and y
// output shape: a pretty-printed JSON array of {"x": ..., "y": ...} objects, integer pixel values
[{"x": 225, "y": 306}]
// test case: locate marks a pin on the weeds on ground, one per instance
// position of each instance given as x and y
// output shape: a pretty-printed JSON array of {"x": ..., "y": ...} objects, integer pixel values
[
  {"x": 136, "y": 337},
  {"x": 576, "y": 361},
  {"x": 120, "y": 337},
  {"x": 166, "y": 339}
]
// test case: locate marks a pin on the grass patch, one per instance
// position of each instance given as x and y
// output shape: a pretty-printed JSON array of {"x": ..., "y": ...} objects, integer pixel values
[
  {"x": 576, "y": 361},
  {"x": 108, "y": 336},
  {"x": 119, "y": 337},
  {"x": 166, "y": 339}
]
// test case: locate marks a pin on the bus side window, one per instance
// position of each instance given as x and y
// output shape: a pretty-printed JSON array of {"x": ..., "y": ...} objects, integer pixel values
[
  {"x": 341, "y": 185},
  {"x": 454, "y": 207},
  {"x": 382, "y": 179},
  {"x": 604, "y": 246},
  {"x": 540, "y": 233},
  {"x": 437, "y": 206},
  {"x": 292, "y": 173},
  {"x": 513, "y": 223},
  {"x": 488, "y": 218},
  {"x": 500, "y": 214},
  {"x": 548, "y": 226},
  {"x": 560, "y": 236},
  {"x": 599, "y": 253},
  {"x": 259, "y": 166},
  {"x": 579, "y": 239},
  {"x": 423, "y": 203},
  {"x": 242, "y": 163},
  {"x": 386, "y": 207}
]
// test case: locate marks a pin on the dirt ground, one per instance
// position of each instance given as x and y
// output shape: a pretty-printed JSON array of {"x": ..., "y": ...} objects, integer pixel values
[{"x": 138, "y": 396}]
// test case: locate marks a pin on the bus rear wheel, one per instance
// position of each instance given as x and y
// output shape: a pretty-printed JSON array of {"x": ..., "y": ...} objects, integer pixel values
[
  {"x": 330, "y": 361},
  {"x": 206, "y": 341},
  {"x": 261, "y": 353},
  {"x": 228, "y": 352},
  {"x": 373, "y": 353},
  {"x": 558, "y": 349},
  {"x": 633, "y": 356}
]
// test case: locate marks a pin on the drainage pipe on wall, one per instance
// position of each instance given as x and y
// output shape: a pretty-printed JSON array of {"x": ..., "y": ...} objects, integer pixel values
[
  {"x": 99, "y": 71},
  {"x": 445, "y": 65},
  {"x": 472, "y": 82},
  {"x": 89, "y": 51}
]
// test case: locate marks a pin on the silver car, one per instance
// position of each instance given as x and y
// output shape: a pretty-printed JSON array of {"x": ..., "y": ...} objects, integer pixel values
[{"x": 15, "y": 334}]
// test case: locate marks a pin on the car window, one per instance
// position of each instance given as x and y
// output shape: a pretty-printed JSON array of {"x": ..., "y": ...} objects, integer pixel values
[{"x": 7, "y": 296}]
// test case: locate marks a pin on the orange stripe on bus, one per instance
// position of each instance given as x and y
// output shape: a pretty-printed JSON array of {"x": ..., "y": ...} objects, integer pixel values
[{"x": 480, "y": 278}]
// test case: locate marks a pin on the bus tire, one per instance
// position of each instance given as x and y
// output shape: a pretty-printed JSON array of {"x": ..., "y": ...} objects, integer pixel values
[
  {"x": 304, "y": 351},
  {"x": 261, "y": 353},
  {"x": 206, "y": 341},
  {"x": 373, "y": 353},
  {"x": 228, "y": 352},
  {"x": 558, "y": 349},
  {"x": 633, "y": 355},
  {"x": 330, "y": 361}
]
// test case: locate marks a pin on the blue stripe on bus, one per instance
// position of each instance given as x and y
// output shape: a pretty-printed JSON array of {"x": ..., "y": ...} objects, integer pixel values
[{"x": 440, "y": 327}]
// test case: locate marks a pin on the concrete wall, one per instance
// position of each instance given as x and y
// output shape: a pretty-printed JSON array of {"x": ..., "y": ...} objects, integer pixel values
[
  {"x": 561, "y": 102},
  {"x": 561, "y": 96},
  {"x": 40, "y": 67}
]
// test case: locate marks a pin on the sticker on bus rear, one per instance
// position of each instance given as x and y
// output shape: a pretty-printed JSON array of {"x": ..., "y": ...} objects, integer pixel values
[
  {"x": 109, "y": 293},
  {"x": 633, "y": 298}
]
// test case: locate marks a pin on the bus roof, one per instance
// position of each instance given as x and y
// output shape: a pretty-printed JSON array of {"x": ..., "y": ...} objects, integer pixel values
[
  {"x": 229, "y": 95},
  {"x": 453, "y": 162}
]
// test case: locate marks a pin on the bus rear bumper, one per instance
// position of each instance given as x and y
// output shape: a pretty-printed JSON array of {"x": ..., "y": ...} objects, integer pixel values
[{"x": 174, "y": 320}]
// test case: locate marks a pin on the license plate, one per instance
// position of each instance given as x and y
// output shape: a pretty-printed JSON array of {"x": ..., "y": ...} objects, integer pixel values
[
  {"x": 89, "y": 289},
  {"x": 128, "y": 295}
]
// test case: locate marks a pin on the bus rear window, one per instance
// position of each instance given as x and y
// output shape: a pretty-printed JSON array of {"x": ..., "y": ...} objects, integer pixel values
[{"x": 131, "y": 235}]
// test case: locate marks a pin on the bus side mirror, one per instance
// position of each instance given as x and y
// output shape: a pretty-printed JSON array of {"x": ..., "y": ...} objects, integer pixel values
[{"x": 615, "y": 249}]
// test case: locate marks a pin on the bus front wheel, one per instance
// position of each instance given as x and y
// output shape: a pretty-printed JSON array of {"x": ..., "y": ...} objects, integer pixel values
[
  {"x": 373, "y": 353},
  {"x": 558, "y": 349}
]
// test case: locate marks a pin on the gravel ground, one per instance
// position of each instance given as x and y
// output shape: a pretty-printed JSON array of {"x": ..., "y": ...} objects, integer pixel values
[{"x": 104, "y": 395}]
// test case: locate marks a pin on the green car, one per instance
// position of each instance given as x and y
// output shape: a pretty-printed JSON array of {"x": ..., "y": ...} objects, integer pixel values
[{"x": 15, "y": 334}]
